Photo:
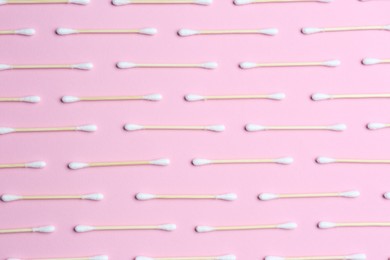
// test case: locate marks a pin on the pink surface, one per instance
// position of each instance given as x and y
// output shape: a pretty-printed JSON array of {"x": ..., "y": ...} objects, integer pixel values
[{"x": 111, "y": 142}]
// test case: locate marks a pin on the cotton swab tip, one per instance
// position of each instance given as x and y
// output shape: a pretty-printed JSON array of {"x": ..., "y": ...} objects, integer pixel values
[
  {"x": 83, "y": 66},
  {"x": 371, "y": 61},
  {"x": 79, "y": 2},
  {"x": 187, "y": 32},
  {"x": 5, "y": 67},
  {"x": 153, "y": 97},
  {"x": 387, "y": 195},
  {"x": 209, "y": 65},
  {"x": 36, "y": 165},
  {"x": 65, "y": 31},
  {"x": 148, "y": 31},
  {"x": 267, "y": 196},
  {"x": 338, "y": 127},
  {"x": 242, "y": 2},
  {"x": 270, "y": 31},
  {"x": 99, "y": 257},
  {"x": 77, "y": 165},
  {"x": 6, "y": 130},
  {"x": 274, "y": 258},
  {"x": 350, "y": 194},
  {"x": 199, "y": 162},
  {"x": 83, "y": 228},
  {"x": 254, "y": 128},
  {"x": 145, "y": 196},
  {"x": 375, "y": 126},
  {"x": 93, "y": 196},
  {"x": 325, "y": 225},
  {"x": 356, "y": 257},
  {"x": 125, "y": 65},
  {"x": 132, "y": 127},
  {"x": 289, "y": 226},
  {"x": 285, "y": 160},
  {"x": 311, "y": 30},
  {"x": 9, "y": 197},
  {"x": 167, "y": 227},
  {"x": 27, "y": 31},
  {"x": 228, "y": 196},
  {"x": 320, "y": 96},
  {"x": 161, "y": 162},
  {"x": 226, "y": 257},
  {"x": 44, "y": 229},
  {"x": 69, "y": 99},
  {"x": 324, "y": 160},
  {"x": 216, "y": 128},
  {"x": 193, "y": 97},
  {"x": 87, "y": 128},
  {"x": 31, "y": 99},
  {"x": 247, "y": 65},
  {"x": 277, "y": 96},
  {"x": 332, "y": 63},
  {"x": 121, "y": 2},
  {"x": 203, "y": 229},
  {"x": 203, "y": 2}
]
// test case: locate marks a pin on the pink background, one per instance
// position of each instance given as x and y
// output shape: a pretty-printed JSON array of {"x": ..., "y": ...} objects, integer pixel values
[{"x": 112, "y": 143}]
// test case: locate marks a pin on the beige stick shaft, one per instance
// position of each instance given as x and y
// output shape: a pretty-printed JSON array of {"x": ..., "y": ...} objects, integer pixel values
[
  {"x": 309, "y": 195},
  {"x": 12, "y": 165},
  {"x": 46, "y": 129},
  {"x": 187, "y": 258},
  {"x": 364, "y": 224},
  {"x": 290, "y": 64},
  {"x": 243, "y": 161},
  {"x": 316, "y": 258},
  {"x": 185, "y": 197},
  {"x": 108, "y": 30},
  {"x": 245, "y": 227},
  {"x": 16, "y": 230},
  {"x": 66, "y": 258},
  {"x": 37, "y": 1},
  {"x": 111, "y": 98},
  {"x": 360, "y": 96},
  {"x": 361, "y": 161},
  {"x": 9, "y": 99},
  {"x": 177, "y": 65},
  {"x": 125, "y": 227},
  {"x": 51, "y": 197},
  {"x": 162, "y": 2},
  {"x": 296, "y": 127},
  {"x": 7, "y": 32},
  {"x": 173, "y": 127},
  {"x": 227, "y": 31},
  {"x": 282, "y": 1},
  {"x": 102, "y": 164},
  {"x": 43, "y": 66},
  {"x": 236, "y": 97},
  {"x": 352, "y": 28}
]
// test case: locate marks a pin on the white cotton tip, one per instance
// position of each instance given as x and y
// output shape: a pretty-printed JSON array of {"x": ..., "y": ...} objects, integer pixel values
[
  {"x": 289, "y": 225},
  {"x": 254, "y": 128},
  {"x": 356, "y": 257},
  {"x": 203, "y": 2},
  {"x": 269, "y": 31},
  {"x": 350, "y": 194},
  {"x": 79, "y": 2},
  {"x": 323, "y": 160},
  {"x": 153, "y": 97},
  {"x": 5, "y": 67},
  {"x": 93, "y": 196},
  {"x": 226, "y": 257},
  {"x": 44, "y": 229},
  {"x": 202, "y": 229},
  {"x": 143, "y": 258},
  {"x": 285, "y": 160},
  {"x": 199, "y": 162},
  {"x": 371, "y": 61},
  {"x": 36, "y": 165},
  {"x": 145, "y": 196},
  {"x": 9, "y": 197},
  {"x": 187, "y": 32},
  {"x": 161, "y": 162},
  {"x": 167, "y": 227},
  {"x": 121, "y": 2},
  {"x": 387, "y": 195},
  {"x": 99, "y": 257},
  {"x": 242, "y": 2},
  {"x": 27, "y": 31},
  {"x": 82, "y": 228},
  {"x": 83, "y": 66},
  {"x": 247, "y": 65},
  {"x": 65, "y": 31},
  {"x": 375, "y": 126},
  {"x": 215, "y": 128},
  {"x": 277, "y": 96},
  {"x": 31, "y": 99},
  {"x": 320, "y": 96},
  {"x": 268, "y": 196},
  {"x": 325, "y": 225},
  {"x": 311, "y": 30},
  {"x": 125, "y": 65},
  {"x": 6, "y": 130},
  {"x": 228, "y": 196},
  {"x": 338, "y": 127},
  {"x": 87, "y": 128},
  {"x": 332, "y": 63},
  {"x": 194, "y": 97},
  {"x": 148, "y": 31},
  {"x": 2, "y": 2},
  {"x": 69, "y": 99},
  {"x": 209, "y": 65},
  {"x": 132, "y": 127},
  {"x": 274, "y": 258},
  {"x": 77, "y": 165}
]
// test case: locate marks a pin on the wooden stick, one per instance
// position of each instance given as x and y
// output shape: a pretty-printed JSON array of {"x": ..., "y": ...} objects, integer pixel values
[
  {"x": 44, "y": 229},
  {"x": 361, "y": 161},
  {"x": 10, "y": 99},
  {"x": 47, "y": 2},
  {"x": 147, "y": 196},
  {"x": 254, "y": 127},
  {"x": 165, "y": 227},
  {"x": 129, "y": 65},
  {"x": 284, "y": 160},
  {"x": 352, "y": 257},
  {"x": 67, "y": 31},
  {"x": 12, "y": 165},
  {"x": 80, "y": 165},
  {"x": 236, "y": 97},
  {"x": 80, "y": 66},
  {"x": 327, "y": 225},
  {"x": 84, "y": 128},
  {"x": 202, "y": 229},
  {"x": 10, "y": 197},
  {"x": 249, "y": 65},
  {"x": 123, "y": 2},
  {"x": 72, "y": 258},
  {"x": 271, "y": 196},
  {"x": 214, "y": 128},
  {"x": 357, "y": 96},
  {"x": 37, "y": 164},
  {"x": 151, "y": 97},
  {"x": 282, "y": 1},
  {"x": 227, "y": 257}
]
